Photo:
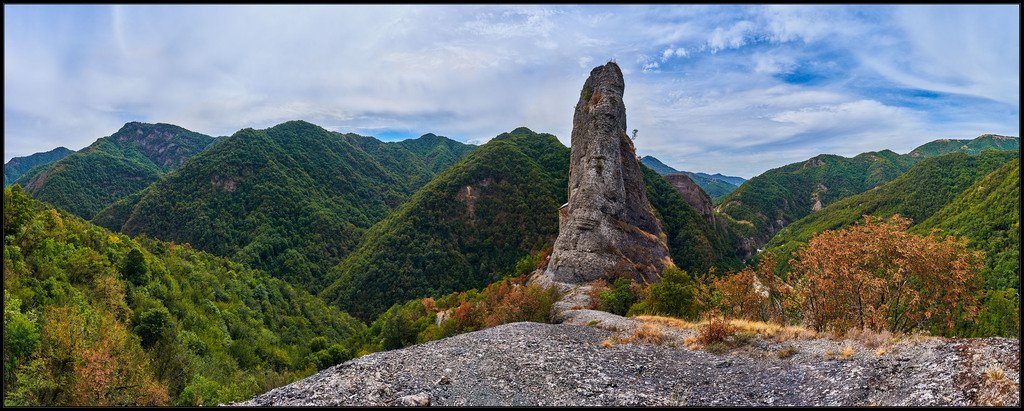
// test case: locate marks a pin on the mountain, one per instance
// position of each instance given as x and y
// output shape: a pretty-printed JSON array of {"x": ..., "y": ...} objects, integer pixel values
[
  {"x": 494, "y": 207},
  {"x": 21, "y": 165},
  {"x": 93, "y": 317},
  {"x": 417, "y": 160},
  {"x": 918, "y": 194},
  {"x": 974, "y": 146},
  {"x": 113, "y": 167},
  {"x": 468, "y": 225},
  {"x": 766, "y": 203},
  {"x": 292, "y": 200},
  {"x": 736, "y": 181},
  {"x": 988, "y": 215},
  {"x": 715, "y": 185}
]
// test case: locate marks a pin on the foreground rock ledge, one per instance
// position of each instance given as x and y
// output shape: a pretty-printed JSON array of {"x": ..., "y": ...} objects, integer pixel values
[{"x": 545, "y": 364}]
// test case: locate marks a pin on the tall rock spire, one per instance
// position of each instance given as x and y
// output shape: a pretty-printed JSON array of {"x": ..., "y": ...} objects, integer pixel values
[{"x": 608, "y": 228}]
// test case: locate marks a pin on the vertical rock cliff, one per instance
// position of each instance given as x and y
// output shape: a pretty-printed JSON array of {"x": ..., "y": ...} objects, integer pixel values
[{"x": 608, "y": 229}]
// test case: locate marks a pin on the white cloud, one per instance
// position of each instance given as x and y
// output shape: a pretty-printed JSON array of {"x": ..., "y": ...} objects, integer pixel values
[{"x": 472, "y": 72}]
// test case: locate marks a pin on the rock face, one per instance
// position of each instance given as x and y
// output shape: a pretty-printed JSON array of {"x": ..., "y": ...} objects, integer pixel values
[
  {"x": 693, "y": 194},
  {"x": 608, "y": 228},
  {"x": 531, "y": 364}
]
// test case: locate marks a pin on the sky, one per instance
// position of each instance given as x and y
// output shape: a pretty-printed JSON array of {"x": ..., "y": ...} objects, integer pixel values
[{"x": 730, "y": 89}]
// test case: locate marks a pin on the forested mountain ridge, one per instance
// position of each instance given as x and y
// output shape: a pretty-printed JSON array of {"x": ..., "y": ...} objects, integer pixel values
[
  {"x": 715, "y": 185},
  {"x": 475, "y": 220},
  {"x": 972, "y": 146},
  {"x": 113, "y": 167},
  {"x": 292, "y": 199},
  {"x": 467, "y": 226},
  {"x": 97, "y": 318},
  {"x": 21, "y": 165},
  {"x": 766, "y": 203}
]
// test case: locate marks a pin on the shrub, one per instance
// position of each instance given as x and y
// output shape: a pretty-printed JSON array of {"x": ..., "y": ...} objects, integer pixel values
[
  {"x": 673, "y": 295},
  {"x": 715, "y": 330},
  {"x": 619, "y": 298}
]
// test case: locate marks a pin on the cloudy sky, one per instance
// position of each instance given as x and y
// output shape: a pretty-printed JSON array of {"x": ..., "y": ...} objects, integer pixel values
[{"x": 730, "y": 89}]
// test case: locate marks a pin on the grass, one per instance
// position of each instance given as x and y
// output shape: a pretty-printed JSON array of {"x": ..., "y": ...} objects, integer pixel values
[
  {"x": 847, "y": 352},
  {"x": 646, "y": 333},
  {"x": 777, "y": 331},
  {"x": 786, "y": 352}
]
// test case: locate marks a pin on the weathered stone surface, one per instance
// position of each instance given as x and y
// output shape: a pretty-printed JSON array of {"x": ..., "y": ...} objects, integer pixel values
[
  {"x": 531, "y": 364},
  {"x": 608, "y": 228},
  {"x": 693, "y": 194}
]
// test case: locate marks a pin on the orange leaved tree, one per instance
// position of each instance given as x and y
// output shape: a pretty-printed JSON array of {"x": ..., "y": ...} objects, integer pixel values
[{"x": 876, "y": 275}]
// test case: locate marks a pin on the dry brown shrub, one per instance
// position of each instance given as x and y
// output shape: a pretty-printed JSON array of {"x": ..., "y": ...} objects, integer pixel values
[
  {"x": 715, "y": 330},
  {"x": 786, "y": 352}
]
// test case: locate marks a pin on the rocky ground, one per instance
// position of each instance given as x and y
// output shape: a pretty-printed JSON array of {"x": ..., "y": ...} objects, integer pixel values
[{"x": 585, "y": 361}]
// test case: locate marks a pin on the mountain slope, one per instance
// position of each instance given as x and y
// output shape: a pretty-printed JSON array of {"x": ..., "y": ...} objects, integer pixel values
[
  {"x": 770, "y": 201},
  {"x": 21, "y": 165},
  {"x": 973, "y": 146},
  {"x": 470, "y": 223},
  {"x": 988, "y": 215},
  {"x": 716, "y": 186},
  {"x": 113, "y": 167},
  {"x": 479, "y": 217},
  {"x": 292, "y": 200},
  {"x": 97, "y": 318},
  {"x": 917, "y": 194}
]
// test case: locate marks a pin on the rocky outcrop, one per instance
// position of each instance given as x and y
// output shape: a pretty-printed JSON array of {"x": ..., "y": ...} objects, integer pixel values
[
  {"x": 693, "y": 194},
  {"x": 531, "y": 364},
  {"x": 608, "y": 228}
]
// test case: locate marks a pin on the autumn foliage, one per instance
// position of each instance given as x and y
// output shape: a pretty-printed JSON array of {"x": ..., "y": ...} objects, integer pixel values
[{"x": 876, "y": 275}]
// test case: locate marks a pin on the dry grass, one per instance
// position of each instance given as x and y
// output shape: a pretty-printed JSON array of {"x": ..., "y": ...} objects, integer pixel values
[
  {"x": 649, "y": 334},
  {"x": 881, "y": 351},
  {"x": 994, "y": 374},
  {"x": 847, "y": 352},
  {"x": 786, "y": 352},
  {"x": 714, "y": 330},
  {"x": 871, "y": 338},
  {"x": 668, "y": 321},
  {"x": 997, "y": 390}
]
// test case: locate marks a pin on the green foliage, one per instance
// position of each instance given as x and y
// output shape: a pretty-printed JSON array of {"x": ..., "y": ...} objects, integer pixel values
[
  {"x": 292, "y": 200},
  {"x": 154, "y": 325},
  {"x": 673, "y": 295},
  {"x": 113, "y": 167},
  {"x": 21, "y": 165},
  {"x": 988, "y": 214},
  {"x": 135, "y": 269},
  {"x": 619, "y": 298},
  {"x": 21, "y": 338},
  {"x": 1000, "y": 315},
  {"x": 200, "y": 330}
]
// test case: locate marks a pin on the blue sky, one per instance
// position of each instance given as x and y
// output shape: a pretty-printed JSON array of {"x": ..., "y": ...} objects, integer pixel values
[{"x": 731, "y": 89}]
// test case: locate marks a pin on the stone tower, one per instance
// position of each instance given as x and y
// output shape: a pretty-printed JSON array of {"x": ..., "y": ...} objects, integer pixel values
[{"x": 608, "y": 228}]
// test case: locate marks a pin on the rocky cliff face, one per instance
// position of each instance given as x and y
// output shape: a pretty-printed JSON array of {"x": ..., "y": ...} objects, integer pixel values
[
  {"x": 608, "y": 228},
  {"x": 693, "y": 195}
]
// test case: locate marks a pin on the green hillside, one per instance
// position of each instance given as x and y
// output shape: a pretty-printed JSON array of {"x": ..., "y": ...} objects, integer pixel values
[
  {"x": 988, "y": 215},
  {"x": 113, "y": 167},
  {"x": 475, "y": 220},
  {"x": 93, "y": 317},
  {"x": 917, "y": 194},
  {"x": 770, "y": 201},
  {"x": 974, "y": 146},
  {"x": 21, "y": 165},
  {"x": 468, "y": 225}
]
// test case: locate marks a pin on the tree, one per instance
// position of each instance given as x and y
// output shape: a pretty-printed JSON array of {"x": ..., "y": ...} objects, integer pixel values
[
  {"x": 153, "y": 325},
  {"x": 876, "y": 275},
  {"x": 674, "y": 294},
  {"x": 135, "y": 270}
]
